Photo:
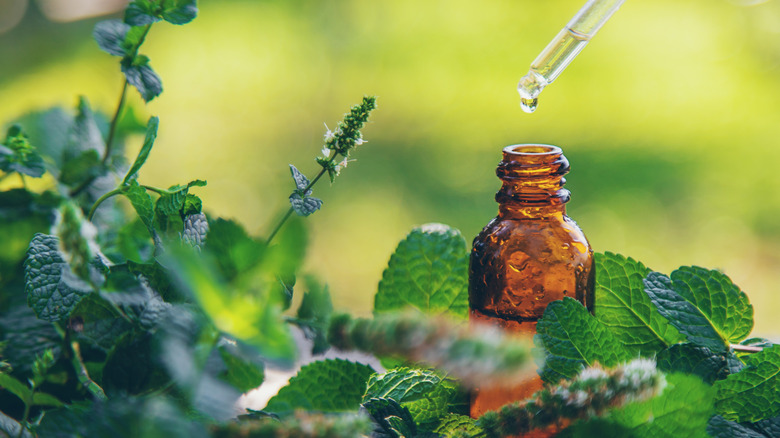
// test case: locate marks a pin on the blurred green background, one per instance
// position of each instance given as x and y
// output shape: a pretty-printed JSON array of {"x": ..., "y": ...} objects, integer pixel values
[{"x": 670, "y": 119}]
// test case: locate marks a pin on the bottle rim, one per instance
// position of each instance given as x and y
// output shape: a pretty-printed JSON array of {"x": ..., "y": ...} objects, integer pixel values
[{"x": 533, "y": 149}]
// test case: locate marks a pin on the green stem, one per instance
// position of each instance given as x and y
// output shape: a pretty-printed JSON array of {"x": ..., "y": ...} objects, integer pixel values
[
  {"x": 114, "y": 123},
  {"x": 25, "y": 417},
  {"x": 114, "y": 120},
  {"x": 83, "y": 375},
  {"x": 291, "y": 210},
  {"x": 24, "y": 181},
  {"x": 100, "y": 200}
]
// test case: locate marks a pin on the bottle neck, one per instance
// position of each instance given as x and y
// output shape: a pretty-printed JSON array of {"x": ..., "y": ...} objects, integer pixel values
[{"x": 532, "y": 177}]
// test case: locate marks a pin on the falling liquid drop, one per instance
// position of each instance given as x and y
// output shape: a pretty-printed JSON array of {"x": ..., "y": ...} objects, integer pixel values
[{"x": 528, "y": 105}]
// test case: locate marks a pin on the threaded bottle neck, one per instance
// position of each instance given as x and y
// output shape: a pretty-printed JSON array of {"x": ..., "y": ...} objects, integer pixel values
[{"x": 532, "y": 176}]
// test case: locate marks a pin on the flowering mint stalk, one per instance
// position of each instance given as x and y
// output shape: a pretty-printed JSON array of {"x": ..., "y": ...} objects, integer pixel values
[
  {"x": 477, "y": 355},
  {"x": 590, "y": 394},
  {"x": 302, "y": 425},
  {"x": 335, "y": 157}
]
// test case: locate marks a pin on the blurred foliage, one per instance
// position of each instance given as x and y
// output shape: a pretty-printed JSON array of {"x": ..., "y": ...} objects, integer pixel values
[{"x": 669, "y": 120}]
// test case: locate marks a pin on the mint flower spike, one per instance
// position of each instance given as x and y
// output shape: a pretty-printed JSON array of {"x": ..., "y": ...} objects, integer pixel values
[
  {"x": 478, "y": 355},
  {"x": 590, "y": 394}
]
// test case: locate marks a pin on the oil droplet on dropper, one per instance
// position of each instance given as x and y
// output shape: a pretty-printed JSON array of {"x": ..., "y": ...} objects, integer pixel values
[{"x": 529, "y": 105}]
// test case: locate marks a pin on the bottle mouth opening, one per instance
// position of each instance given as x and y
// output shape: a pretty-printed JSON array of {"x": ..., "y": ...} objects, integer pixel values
[{"x": 532, "y": 149}]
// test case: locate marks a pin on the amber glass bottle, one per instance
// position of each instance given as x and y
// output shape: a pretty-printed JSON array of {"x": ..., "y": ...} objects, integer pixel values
[{"x": 528, "y": 256}]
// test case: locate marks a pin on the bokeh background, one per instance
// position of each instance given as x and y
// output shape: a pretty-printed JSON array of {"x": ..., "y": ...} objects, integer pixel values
[{"x": 670, "y": 118}]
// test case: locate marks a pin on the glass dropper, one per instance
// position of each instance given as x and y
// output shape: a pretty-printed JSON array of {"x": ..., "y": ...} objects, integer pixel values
[{"x": 562, "y": 50}]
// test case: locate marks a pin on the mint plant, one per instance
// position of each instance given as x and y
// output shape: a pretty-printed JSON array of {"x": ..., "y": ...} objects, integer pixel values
[{"x": 152, "y": 319}]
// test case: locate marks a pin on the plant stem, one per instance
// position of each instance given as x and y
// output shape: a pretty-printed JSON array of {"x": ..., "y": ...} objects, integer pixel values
[
  {"x": 114, "y": 123},
  {"x": 291, "y": 210},
  {"x": 746, "y": 348},
  {"x": 114, "y": 120},
  {"x": 83, "y": 376},
  {"x": 100, "y": 200}
]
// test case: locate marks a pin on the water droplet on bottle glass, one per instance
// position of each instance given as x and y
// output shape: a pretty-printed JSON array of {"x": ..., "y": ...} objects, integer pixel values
[{"x": 528, "y": 105}]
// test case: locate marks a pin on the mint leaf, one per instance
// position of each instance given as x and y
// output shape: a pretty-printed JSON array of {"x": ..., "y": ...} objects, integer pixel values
[
  {"x": 719, "y": 427},
  {"x": 751, "y": 394},
  {"x": 179, "y": 11},
  {"x": 251, "y": 311},
  {"x": 624, "y": 307},
  {"x": 453, "y": 425},
  {"x": 304, "y": 205},
  {"x": 142, "y": 203},
  {"x": 301, "y": 182},
  {"x": 423, "y": 392},
  {"x": 573, "y": 339},
  {"x": 18, "y": 155},
  {"x": 234, "y": 251},
  {"x": 692, "y": 359},
  {"x": 97, "y": 322},
  {"x": 142, "y": 13},
  {"x": 15, "y": 387},
  {"x": 143, "y": 154},
  {"x": 80, "y": 168},
  {"x": 332, "y": 385},
  {"x": 242, "y": 371},
  {"x": 140, "y": 75},
  {"x": 428, "y": 271},
  {"x": 682, "y": 410},
  {"x": 391, "y": 420},
  {"x": 26, "y": 337},
  {"x": 169, "y": 207},
  {"x": 110, "y": 34},
  {"x": 704, "y": 305},
  {"x": 53, "y": 291},
  {"x": 84, "y": 134},
  {"x": 121, "y": 417}
]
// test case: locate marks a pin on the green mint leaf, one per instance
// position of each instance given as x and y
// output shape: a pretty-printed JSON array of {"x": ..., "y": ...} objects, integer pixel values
[
  {"x": 84, "y": 134},
  {"x": 428, "y": 271},
  {"x": 314, "y": 314},
  {"x": 332, "y": 385},
  {"x": 15, "y": 387},
  {"x": 44, "y": 399},
  {"x": 304, "y": 205},
  {"x": 234, "y": 251},
  {"x": 53, "y": 291},
  {"x": 142, "y": 13},
  {"x": 423, "y": 392},
  {"x": 179, "y": 11},
  {"x": 573, "y": 339},
  {"x": 142, "y": 203},
  {"x": 719, "y": 427},
  {"x": 751, "y": 394},
  {"x": 301, "y": 182},
  {"x": 242, "y": 371},
  {"x": 249, "y": 312},
  {"x": 148, "y": 417},
  {"x": 681, "y": 410},
  {"x": 26, "y": 337},
  {"x": 146, "y": 148},
  {"x": 624, "y": 307},
  {"x": 110, "y": 36},
  {"x": 391, "y": 420},
  {"x": 141, "y": 76},
  {"x": 453, "y": 425},
  {"x": 96, "y": 322},
  {"x": 692, "y": 359},
  {"x": 192, "y": 205},
  {"x": 704, "y": 305},
  {"x": 80, "y": 168},
  {"x": 196, "y": 227},
  {"x": 18, "y": 155}
]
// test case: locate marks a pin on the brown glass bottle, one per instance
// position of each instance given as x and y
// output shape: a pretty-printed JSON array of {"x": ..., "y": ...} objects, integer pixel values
[{"x": 528, "y": 256}]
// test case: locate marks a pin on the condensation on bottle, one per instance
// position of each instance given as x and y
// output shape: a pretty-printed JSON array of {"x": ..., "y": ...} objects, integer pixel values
[{"x": 531, "y": 254}]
